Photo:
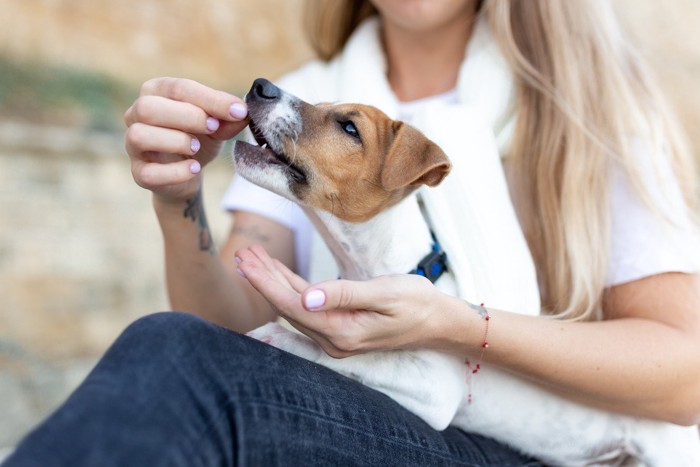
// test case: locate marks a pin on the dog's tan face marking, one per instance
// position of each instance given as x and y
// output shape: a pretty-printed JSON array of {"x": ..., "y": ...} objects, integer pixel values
[
  {"x": 362, "y": 161},
  {"x": 347, "y": 159}
]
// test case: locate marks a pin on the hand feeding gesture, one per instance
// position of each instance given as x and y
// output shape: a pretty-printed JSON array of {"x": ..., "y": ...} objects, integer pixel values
[
  {"x": 347, "y": 317},
  {"x": 174, "y": 128}
]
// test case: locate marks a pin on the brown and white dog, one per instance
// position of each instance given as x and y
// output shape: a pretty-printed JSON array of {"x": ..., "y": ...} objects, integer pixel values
[
  {"x": 355, "y": 173},
  {"x": 351, "y": 167}
]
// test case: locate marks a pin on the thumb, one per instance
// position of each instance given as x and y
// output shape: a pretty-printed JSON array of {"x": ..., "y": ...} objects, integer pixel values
[
  {"x": 356, "y": 295},
  {"x": 155, "y": 174}
]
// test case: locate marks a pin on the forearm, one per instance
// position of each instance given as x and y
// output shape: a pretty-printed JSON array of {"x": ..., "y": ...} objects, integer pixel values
[
  {"x": 635, "y": 366},
  {"x": 644, "y": 362},
  {"x": 198, "y": 279}
]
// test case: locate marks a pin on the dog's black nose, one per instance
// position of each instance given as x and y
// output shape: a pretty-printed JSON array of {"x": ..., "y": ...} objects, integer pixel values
[{"x": 266, "y": 90}]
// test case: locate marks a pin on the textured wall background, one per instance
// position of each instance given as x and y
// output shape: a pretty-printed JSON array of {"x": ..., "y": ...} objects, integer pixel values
[
  {"x": 80, "y": 251},
  {"x": 224, "y": 43}
]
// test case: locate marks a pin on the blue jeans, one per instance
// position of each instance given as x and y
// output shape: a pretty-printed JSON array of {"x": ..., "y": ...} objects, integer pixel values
[{"x": 175, "y": 390}]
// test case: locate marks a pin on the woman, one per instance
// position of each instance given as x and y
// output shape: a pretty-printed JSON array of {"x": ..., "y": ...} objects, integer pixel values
[{"x": 583, "y": 136}]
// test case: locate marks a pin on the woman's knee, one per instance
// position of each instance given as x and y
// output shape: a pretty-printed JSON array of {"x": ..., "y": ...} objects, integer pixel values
[
  {"x": 168, "y": 325},
  {"x": 164, "y": 335},
  {"x": 184, "y": 337}
]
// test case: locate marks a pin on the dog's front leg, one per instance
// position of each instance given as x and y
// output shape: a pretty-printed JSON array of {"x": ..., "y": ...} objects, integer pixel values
[{"x": 289, "y": 341}]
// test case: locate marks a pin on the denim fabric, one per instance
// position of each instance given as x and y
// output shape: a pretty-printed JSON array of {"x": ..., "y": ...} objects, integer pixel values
[{"x": 175, "y": 390}]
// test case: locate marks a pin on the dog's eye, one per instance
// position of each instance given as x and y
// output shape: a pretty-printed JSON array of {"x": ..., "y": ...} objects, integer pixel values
[{"x": 350, "y": 128}]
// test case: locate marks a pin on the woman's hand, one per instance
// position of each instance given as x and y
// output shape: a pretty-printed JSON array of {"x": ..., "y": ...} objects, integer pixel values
[
  {"x": 347, "y": 317},
  {"x": 174, "y": 128}
]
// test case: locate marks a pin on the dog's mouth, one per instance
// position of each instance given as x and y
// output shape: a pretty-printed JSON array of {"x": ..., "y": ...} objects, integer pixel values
[{"x": 263, "y": 153}]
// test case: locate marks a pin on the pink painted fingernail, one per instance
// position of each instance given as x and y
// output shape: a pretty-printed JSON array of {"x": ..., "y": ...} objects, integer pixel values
[
  {"x": 195, "y": 145},
  {"x": 195, "y": 167},
  {"x": 240, "y": 273},
  {"x": 238, "y": 260},
  {"x": 238, "y": 110},
  {"x": 212, "y": 124},
  {"x": 314, "y": 299}
]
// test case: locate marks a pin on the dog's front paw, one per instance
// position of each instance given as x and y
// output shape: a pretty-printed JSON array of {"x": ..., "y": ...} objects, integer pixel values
[
  {"x": 267, "y": 332},
  {"x": 278, "y": 336}
]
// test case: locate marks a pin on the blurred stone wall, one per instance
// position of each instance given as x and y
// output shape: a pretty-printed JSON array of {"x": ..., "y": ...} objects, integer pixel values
[
  {"x": 80, "y": 250},
  {"x": 223, "y": 43},
  {"x": 667, "y": 35},
  {"x": 228, "y": 43}
]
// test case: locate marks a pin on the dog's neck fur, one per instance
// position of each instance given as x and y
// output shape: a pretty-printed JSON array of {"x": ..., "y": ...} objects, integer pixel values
[{"x": 392, "y": 242}]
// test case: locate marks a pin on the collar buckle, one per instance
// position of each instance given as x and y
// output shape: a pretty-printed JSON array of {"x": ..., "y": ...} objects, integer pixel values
[{"x": 433, "y": 265}]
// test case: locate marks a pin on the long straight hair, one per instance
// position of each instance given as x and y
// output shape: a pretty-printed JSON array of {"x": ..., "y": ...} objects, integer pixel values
[{"x": 582, "y": 93}]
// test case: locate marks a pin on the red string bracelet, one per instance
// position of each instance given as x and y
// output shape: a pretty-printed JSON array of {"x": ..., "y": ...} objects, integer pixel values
[{"x": 484, "y": 345}]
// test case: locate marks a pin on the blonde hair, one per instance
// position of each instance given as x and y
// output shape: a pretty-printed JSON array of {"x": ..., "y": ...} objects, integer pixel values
[{"x": 582, "y": 93}]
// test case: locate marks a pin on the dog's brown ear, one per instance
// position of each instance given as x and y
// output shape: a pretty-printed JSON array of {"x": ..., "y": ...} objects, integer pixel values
[{"x": 413, "y": 159}]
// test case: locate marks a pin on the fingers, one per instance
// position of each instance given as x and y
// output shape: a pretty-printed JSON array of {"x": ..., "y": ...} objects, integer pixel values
[
  {"x": 159, "y": 156},
  {"x": 297, "y": 282},
  {"x": 162, "y": 112},
  {"x": 281, "y": 273},
  {"x": 264, "y": 275},
  {"x": 344, "y": 317},
  {"x": 158, "y": 111},
  {"x": 218, "y": 104},
  {"x": 256, "y": 260},
  {"x": 189, "y": 107},
  {"x": 377, "y": 294},
  {"x": 153, "y": 175},
  {"x": 142, "y": 138},
  {"x": 175, "y": 119}
]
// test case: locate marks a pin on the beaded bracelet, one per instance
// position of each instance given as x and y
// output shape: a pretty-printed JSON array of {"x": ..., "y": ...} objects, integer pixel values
[{"x": 484, "y": 313}]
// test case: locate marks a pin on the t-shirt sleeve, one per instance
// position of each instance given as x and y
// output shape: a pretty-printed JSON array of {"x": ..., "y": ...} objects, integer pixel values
[
  {"x": 243, "y": 195},
  {"x": 647, "y": 241}
]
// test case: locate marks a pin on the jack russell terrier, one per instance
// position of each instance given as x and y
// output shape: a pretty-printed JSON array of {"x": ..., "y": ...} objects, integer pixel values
[{"x": 355, "y": 172}]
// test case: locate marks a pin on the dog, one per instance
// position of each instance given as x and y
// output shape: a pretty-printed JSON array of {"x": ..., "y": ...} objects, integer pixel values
[{"x": 355, "y": 172}]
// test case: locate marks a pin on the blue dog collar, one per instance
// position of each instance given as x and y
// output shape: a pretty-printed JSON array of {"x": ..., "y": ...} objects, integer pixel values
[{"x": 433, "y": 265}]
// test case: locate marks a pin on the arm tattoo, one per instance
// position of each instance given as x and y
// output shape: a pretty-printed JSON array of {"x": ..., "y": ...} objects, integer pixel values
[
  {"x": 253, "y": 233},
  {"x": 195, "y": 211},
  {"x": 479, "y": 309}
]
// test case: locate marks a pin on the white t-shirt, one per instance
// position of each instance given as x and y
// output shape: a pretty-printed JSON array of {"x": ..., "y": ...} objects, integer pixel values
[
  {"x": 242, "y": 195},
  {"x": 645, "y": 242},
  {"x": 642, "y": 243}
]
